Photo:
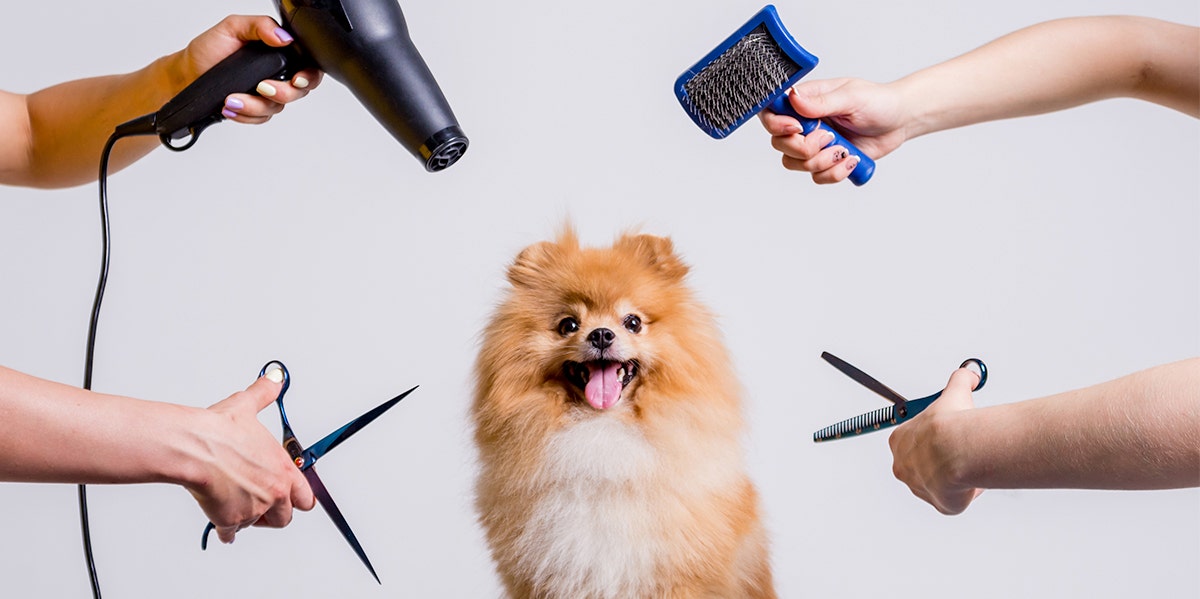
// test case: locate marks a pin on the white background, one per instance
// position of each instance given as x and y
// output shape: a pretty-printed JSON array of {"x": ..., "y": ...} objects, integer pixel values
[{"x": 1064, "y": 250}]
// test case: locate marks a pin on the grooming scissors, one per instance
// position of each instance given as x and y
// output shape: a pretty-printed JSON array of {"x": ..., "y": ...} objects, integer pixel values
[
  {"x": 901, "y": 411},
  {"x": 305, "y": 458}
]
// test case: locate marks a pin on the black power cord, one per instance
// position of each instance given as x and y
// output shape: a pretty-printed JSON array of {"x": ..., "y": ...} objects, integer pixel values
[{"x": 141, "y": 126}]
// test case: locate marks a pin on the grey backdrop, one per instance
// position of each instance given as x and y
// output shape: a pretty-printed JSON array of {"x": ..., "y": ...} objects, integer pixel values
[{"x": 1063, "y": 249}]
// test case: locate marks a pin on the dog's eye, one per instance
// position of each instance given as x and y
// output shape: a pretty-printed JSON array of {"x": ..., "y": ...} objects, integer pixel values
[
  {"x": 633, "y": 324},
  {"x": 567, "y": 326}
]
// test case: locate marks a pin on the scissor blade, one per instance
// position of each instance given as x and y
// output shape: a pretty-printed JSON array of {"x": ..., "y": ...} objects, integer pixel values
[
  {"x": 320, "y": 448},
  {"x": 863, "y": 378},
  {"x": 874, "y": 420},
  {"x": 331, "y": 508},
  {"x": 863, "y": 423}
]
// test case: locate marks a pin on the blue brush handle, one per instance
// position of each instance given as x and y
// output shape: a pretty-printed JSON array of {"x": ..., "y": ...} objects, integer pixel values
[{"x": 866, "y": 167}]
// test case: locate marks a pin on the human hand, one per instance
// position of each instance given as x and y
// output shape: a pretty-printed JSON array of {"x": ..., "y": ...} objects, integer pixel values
[
  {"x": 227, "y": 37},
  {"x": 869, "y": 115},
  {"x": 248, "y": 478},
  {"x": 925, "y": 454}
]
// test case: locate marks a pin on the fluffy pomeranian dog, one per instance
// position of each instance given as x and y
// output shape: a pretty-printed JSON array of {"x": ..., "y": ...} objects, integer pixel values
[{"x": 608, "y": 424}]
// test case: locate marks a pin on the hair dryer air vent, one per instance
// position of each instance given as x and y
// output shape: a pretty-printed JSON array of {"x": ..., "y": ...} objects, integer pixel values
[{"x": 448, "y": 145}]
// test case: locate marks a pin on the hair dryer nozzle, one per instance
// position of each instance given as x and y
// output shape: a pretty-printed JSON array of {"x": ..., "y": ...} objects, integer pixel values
[
  {"x": 444, "y": 148},
  {"x": 364, "y": 44}
]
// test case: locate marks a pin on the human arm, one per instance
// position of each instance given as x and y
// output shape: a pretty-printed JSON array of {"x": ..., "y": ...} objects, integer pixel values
[
  {"x": 53, "y": 137},
  {"x": 237, "y": 471},
  {"x": 1043, "y": 68},
  {"x": 1141, "y": 431}
]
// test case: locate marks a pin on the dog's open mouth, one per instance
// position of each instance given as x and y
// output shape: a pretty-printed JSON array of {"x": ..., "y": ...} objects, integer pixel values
[{"x": 601, "y": 381}]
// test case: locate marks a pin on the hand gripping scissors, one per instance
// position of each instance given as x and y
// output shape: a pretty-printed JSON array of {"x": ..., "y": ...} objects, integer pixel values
[
  {"x": 901, "y": 411},
  {"x": 305, "y": 458}
]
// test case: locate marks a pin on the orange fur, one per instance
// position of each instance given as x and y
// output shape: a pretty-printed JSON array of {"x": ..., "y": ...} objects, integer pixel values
[{"x": 644, "y": 498}]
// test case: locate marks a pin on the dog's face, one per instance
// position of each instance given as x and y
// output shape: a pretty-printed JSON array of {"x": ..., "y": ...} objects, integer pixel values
[
  {"x": 602, "y": 344},
  {"x": 599, "y": 323}
]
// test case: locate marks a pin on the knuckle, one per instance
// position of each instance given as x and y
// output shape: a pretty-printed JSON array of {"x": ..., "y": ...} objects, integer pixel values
[
  {"x": 793, "y": 164},
  {"x": 281, "y": 491},
  {"x": 824, "y": 178},
  {"x": 274, "y": 519},
  {"x": 800, "y": 151},
  {"x": 226, "y": 520}
]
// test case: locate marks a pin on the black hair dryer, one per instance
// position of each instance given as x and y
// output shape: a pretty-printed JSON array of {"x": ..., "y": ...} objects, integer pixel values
[{"x": 364, "y": 44}]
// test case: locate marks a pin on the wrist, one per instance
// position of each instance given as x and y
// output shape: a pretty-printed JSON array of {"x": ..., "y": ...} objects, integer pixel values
[
  {"x": 179, "y": 456},
  {"x": 920, "y": 113},
  {"x": 949, "y": 433},
  {"x": 168, "y": 76}
]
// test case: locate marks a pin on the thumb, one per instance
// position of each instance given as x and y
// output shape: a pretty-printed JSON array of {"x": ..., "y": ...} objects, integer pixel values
[
  {"x": 821, "y": 98},
  {"x": 265, "y": 389},
  {"x": 260, "y": 394},
  {"x": 957, "y": 395},
  {"x": 254, "y": 28}
]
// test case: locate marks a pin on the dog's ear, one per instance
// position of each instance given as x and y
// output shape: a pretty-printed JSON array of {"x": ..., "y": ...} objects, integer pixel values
[
  {"x": 658, "y": 253},
  {"x": 534, "y": 261}
]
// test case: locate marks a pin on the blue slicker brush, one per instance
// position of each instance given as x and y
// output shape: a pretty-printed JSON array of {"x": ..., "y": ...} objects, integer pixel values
[{"x": 750, "y": 71}]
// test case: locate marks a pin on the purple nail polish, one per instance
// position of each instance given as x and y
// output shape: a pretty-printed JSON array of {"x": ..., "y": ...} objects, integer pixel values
[
  {"x": 283, "y": 35},
  {"x": 228, "y": 113},
  {"x": 234, "y": 104}
]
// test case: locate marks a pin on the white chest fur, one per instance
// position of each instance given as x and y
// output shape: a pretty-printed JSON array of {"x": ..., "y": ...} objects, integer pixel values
[{"x": 592, "y": 533}]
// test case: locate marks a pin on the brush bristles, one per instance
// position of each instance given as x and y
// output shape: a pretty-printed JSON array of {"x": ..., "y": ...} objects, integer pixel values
[{"x": 733, "y": 85}]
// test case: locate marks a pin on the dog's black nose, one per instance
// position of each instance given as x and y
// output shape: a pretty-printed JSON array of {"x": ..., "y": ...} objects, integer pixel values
[{"x": 601, "y": 338}]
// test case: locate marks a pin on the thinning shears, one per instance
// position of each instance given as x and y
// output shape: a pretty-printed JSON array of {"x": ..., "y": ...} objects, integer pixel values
[
  {"x": 899, "y": 412},
  {"x": 305, "y": 458}
]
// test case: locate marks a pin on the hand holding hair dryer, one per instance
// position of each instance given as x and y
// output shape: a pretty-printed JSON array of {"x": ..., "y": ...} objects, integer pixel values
[{"x": 364, "y": 44}]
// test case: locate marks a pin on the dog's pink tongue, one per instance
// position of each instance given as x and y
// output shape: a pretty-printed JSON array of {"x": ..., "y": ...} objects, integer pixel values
[{"x": 603, "y": 387}]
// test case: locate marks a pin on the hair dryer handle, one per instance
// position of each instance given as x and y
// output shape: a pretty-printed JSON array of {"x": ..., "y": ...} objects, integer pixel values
[
  {"x": 199, "y": 104},
  {"x": 865, "y": 168}
]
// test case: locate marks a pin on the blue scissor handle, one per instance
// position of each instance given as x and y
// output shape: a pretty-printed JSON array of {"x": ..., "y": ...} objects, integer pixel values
[
  {"x": 287, "y": 431},
  {"x": 866, "y": 167},
  {"x": 287, "y": 382},
  {"x": 916, "y": 406}
]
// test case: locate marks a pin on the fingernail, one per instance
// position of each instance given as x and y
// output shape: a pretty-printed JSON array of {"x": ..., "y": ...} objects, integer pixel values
[
  {"x": 275, "y": 375},
  {"x": 840, "y": 155},
  {"x": 826, "y": 137},
  {"x": 283, "y": 35},
  {"x": 265, "y": 89},
  {"x": 850, "y": 164},
  {"x": 300, "y": 81},
  {"x": 234, "y": 104},
  {"x": 791, "y": 130},
  {"x": 228, "y": 113}
]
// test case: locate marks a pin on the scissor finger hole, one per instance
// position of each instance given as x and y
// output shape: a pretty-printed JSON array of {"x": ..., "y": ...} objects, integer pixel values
[
  {"x": 273, "y": 365},
  {"x": 276, "y": 365},
  {"x": 979, "y": 368}
]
